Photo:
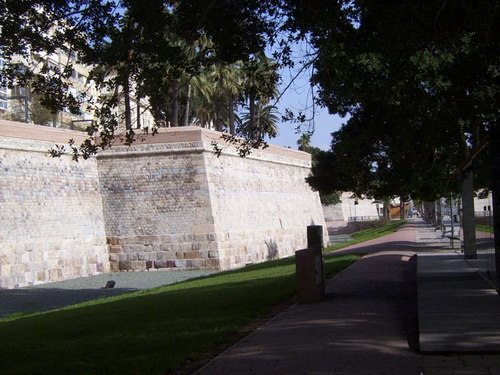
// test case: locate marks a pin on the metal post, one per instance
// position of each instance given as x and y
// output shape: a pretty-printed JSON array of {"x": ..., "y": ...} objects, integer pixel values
[
  {"x": 309, "y": 267},
  {"x": 494, "y": 145},
  {"x": 315, "y": 243},
  {"x": 315, "y": 237},
  {"x": 451, "y": 217},
  {"x": 26, "y": 110},
  {"x": 469, "y": 225}
]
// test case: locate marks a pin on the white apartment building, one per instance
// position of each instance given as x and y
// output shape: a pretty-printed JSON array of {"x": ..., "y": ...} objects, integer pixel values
[
  {"x": 19, "y": 104},
  {"x": 3, "y": 93}
]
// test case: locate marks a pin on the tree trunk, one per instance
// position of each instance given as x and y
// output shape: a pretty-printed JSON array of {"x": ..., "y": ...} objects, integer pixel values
[
  {"x": 429, "y": 212},
  {"x": 494, "y": 149},
  {"x": 232, "y": 129},
  {"x": 126, "y": 95},
  {"x": 185, "y": 121},
  {"x": 439, "y": 217},
  {"x": 468, "y": 222},
  {"x": 219, "y": 124},
  {"x": 386, "y": 208},
  {"x": 401, "y": 208},
  {"x": 174, "y": 119},
  {"x": 257, "y": 132},
  {"x": 138, "y": 122},
  {"x": 253, "y": 117}
]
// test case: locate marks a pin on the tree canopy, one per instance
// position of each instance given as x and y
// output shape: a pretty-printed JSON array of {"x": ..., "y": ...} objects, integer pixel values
[
  {"x": 421, "y": 85},
  {"x": 151, "y": 50},
  {"x": 418, "y": 80}
]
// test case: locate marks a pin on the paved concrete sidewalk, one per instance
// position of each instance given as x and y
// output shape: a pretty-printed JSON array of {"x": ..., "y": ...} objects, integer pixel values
[
  {"x": 459, "y": 311},
  {"x": 368, "y": 323}
]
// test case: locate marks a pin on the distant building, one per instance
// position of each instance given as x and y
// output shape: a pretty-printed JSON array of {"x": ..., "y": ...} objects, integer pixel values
[
  {"x": 18, "y": 103},
  {"x": 3, "y": 93},
  {"x": 353, "y": 209},
  {"x": 359, "y": 209},
  {"x": 483, "y": 205},
  {"x": 395, "y": 210}
]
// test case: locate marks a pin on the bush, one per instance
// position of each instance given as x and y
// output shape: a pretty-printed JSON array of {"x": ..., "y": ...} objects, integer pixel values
[
  {"x": 381, "y": 222},
  {"x": 356, "y": 226}
]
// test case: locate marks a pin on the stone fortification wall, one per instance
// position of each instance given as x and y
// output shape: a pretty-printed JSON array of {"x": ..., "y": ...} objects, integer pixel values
[
  {"x": 178, "y": 205},
  {"x": 262, "y": 205},
  {"x": 157, "y": 207},
  {"x": 166, "y": 202},
  {"x": 357, "y": 209},
  {"x": 333, "y": 213},
  {"x": 51, "y": 221},
  {"x": 351, "y": 209}
]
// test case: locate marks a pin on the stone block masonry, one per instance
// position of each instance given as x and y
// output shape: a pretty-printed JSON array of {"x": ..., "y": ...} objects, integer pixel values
[
  {"x": 157, "y": 207},
  {"x": 261, "y": 204},
  {"x": 166, "y": 202},
  {"x": 51, "y": 218}
]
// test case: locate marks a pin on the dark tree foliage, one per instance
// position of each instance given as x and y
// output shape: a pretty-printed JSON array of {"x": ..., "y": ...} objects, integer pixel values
[
  {"x": 238, "y": 28},
  {"x": 31, "y": 27},
  {"x": 374, "y": 156},
  {"x": 134, "y": 45},
  {"x": 419, "y": 80}
]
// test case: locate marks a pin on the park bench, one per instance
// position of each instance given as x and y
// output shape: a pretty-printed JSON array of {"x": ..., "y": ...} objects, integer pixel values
[{"x": 455, "y": 237}]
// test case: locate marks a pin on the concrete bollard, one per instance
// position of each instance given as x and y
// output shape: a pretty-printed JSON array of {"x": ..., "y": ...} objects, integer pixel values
[{"x": 309, "y": 267}]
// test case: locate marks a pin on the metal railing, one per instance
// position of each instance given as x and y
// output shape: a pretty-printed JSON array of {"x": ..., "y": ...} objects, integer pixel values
[{"x": 363, "y": 218}]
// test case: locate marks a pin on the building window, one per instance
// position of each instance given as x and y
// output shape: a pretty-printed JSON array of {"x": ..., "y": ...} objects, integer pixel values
[
  {"x": 18, "y": 91},
  {"x": 3, "y": 91},
  {"x": 51, "y": 64}
]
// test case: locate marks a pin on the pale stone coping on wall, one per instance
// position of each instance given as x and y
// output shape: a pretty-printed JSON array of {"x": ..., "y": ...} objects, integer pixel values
[
  {"x": 147, "y": 150},
  {"x": 197, "y": 139},
  {"x": 270, "y": 156},
  {"x": 212, "y": 135},
  {"x": 14, "y": 129},
  {"x": 27, "y": 145},
  {"x": 151, "y": 149},
  {"x": 197, "y": 134}
]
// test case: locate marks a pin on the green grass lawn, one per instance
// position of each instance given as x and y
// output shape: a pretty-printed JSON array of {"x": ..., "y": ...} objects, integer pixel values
[
  {"x": 150, "y": 332},
  {"x": 369, "y": 234},
  {"x": 484, "y": 228}
]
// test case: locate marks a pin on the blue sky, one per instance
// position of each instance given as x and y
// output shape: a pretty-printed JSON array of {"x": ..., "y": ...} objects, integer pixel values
[
  {"x": 298, "y": 99},
  {"x": 324, "y": 124}
]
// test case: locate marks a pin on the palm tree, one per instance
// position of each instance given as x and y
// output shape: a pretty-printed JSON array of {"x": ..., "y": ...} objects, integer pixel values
[
  {"x": 174, "y": 114},
  {"x": 202, "y": 105},
  {"x": 266, "y": 125},
  {"x": 304, "y": 142},
  {"x": 228, "y": 87},
  {"x": 260, "y": 86},
  {"x": 180, "y": 79},
  {"x": 215, "y": 94}
]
